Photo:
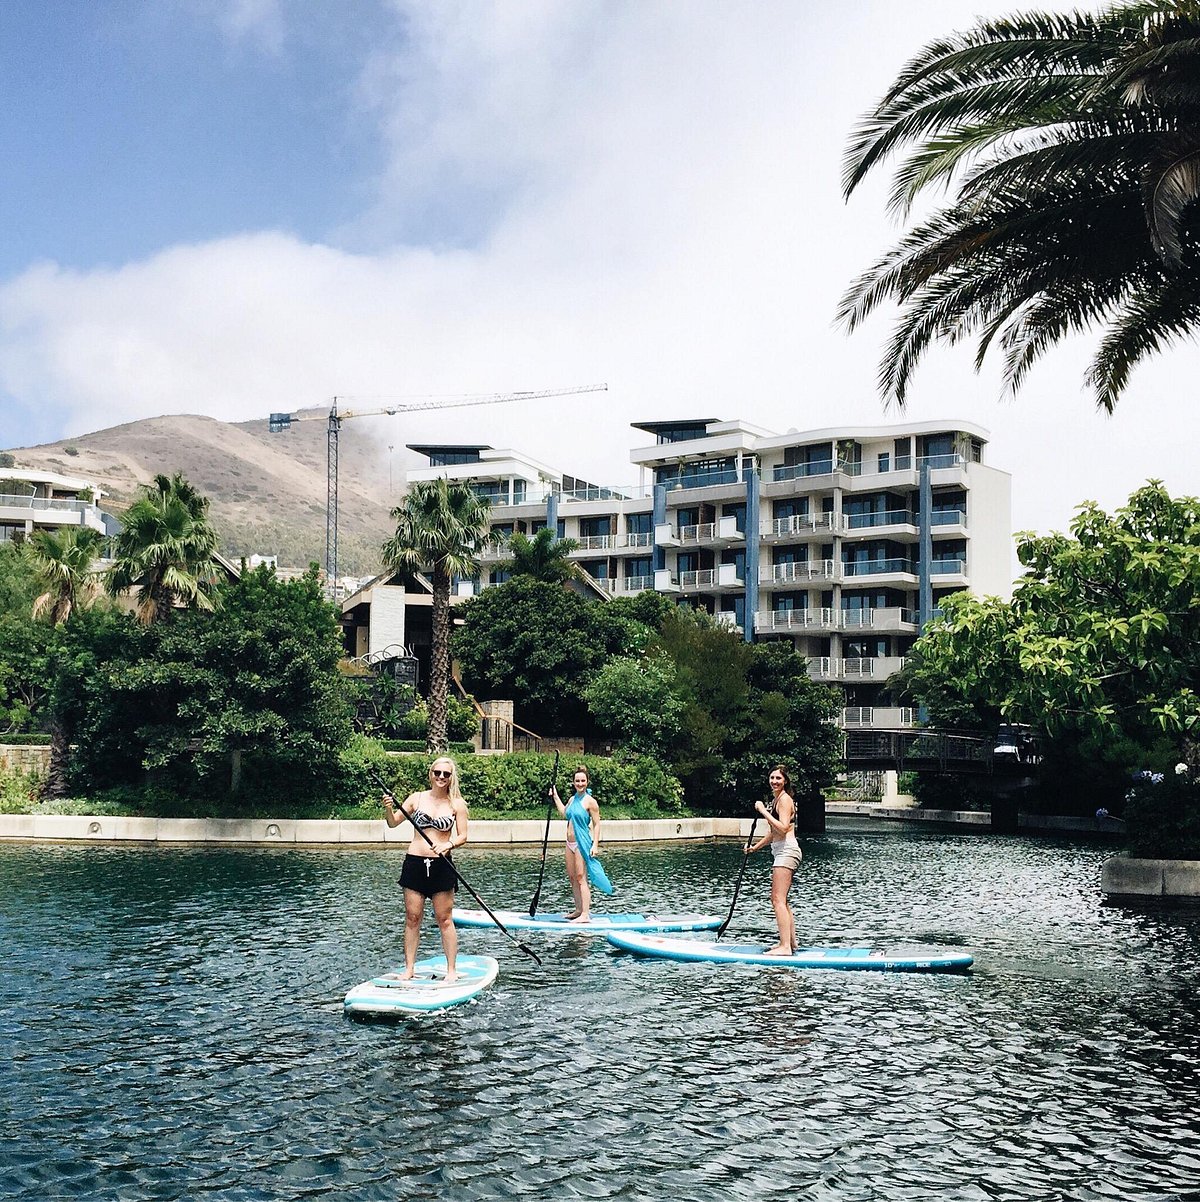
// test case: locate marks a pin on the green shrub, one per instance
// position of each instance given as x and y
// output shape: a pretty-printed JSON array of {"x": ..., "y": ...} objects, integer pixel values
[
  {"x": 25, "y": 738},
  {"x": 1162, "y": 815},
  {"x": 515, "y": 785},
  {"x": 18, "y": 792}
]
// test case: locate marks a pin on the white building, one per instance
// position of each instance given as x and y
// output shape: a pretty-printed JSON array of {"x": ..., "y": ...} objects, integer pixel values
[
  {"x": 842, "y": 541},
  {"x": 33, "y": 500}
]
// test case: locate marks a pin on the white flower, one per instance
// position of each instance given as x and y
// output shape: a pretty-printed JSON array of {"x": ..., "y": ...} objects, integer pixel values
[{"x": 1181, "y": 770}]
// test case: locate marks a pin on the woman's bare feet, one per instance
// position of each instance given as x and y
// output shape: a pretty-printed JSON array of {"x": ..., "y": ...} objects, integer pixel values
[
  {"x": 581, "y": 918},
  {"x": 779, "y": 950},
  {"x": 572, "y": 916}
]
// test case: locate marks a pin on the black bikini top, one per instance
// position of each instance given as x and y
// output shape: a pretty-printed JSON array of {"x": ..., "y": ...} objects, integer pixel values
[{"x": 424, "y": 821}]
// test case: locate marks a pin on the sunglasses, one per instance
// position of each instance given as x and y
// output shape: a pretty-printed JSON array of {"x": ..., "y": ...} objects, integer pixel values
[{"x": 439, "y": 772}]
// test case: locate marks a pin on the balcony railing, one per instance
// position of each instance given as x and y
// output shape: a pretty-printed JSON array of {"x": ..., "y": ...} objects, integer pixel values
[
  {"x": 795, "y": 620},
  {"x": 948, "y": 567},
  {"x": 891, "y": 517},
  {"x": 782, "y": 573},
  {"x": 873, "y": 668},
  {"x": 28, "y": 501},
  {"x": 724, "y": 576},
  {"x": 879, "y": 618},
  {"x": 948, "y": 517},
  {"x": 799, "y": 471},
  {"x": 622, "y": 585},
  {"x": 822, "y": 523},
  {"x": 887, "y": 717},
  {"x": 879, "y": 567}
]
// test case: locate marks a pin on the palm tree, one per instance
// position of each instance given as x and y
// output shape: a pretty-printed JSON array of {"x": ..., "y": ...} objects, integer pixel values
[
  {"x": 1071, "y": 145},
  {"x": 166, "y": 547},
  {"x": 62, "y": 565},
  {"x": 442, "y": 526},
  {"x": 62, "y": 562},
  {"x": 544, "y": 557}
]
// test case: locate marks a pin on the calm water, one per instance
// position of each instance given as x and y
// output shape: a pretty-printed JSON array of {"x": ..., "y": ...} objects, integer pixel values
[{"x": 172, "y": 1028}]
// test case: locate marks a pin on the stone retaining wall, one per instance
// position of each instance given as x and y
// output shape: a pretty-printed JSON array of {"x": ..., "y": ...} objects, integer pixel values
[
  {"x": 1123, "y": 877},
  {"x": 285, "y": 832},
  {"x": 25, "y": 757}
]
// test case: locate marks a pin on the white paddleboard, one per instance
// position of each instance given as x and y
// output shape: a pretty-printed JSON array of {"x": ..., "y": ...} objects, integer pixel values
[
  {"x": 598, "y": 923},
  {"x": 897, "y": 960},
  {"x": 426, "y": 991}
]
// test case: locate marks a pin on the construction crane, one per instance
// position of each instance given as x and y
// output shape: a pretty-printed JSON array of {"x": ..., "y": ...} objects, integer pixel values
[{"x": 282, "y": 421}]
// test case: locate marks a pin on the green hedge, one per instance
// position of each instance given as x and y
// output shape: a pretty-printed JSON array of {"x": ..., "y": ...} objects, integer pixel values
[
  {"x": 515, "y": 785},
  {"x": 25, "y": 738},
  {"x": 418, "y": 746}
]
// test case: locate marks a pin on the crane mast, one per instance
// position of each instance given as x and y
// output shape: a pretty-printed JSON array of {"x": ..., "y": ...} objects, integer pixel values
[{"x": 281, "y": 421}]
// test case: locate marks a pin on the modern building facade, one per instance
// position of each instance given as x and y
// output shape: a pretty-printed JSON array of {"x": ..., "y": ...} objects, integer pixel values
[
  {"x": 34, "y": 500},
  {"x": 841, "y": 541}
]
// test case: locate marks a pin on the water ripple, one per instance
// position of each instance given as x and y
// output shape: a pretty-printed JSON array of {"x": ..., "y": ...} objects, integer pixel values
[{"x": 171, "y": 1028}]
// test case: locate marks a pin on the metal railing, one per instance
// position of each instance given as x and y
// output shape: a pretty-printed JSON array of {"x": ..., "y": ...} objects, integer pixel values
[
  {"x": 878, "y": 567},
  {"x": 823, "y": 523},
  {"x": 822, "y": 569},
  {"x": 891, "y": 517}
]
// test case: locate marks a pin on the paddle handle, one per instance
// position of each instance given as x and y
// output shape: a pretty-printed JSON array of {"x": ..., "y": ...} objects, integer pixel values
[{"x": 738, "y": 884}]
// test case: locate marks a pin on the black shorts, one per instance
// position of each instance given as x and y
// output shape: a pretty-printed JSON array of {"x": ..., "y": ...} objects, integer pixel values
[{"x": 429, "y": 876}]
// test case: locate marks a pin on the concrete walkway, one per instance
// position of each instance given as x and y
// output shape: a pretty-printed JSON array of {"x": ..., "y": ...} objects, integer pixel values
[{"x": 284, "y": 832}]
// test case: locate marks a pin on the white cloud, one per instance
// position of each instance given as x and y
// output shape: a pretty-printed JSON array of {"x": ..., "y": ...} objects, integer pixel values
[{"x": 645, "y": 194}]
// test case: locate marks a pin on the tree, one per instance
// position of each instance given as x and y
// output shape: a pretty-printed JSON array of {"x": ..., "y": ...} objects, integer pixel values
[
  {"x": 543, "y": 557},
  {"x": 62, "y": 562},
  {"x": 1099, "y": 649},
  {"x": 442, "y": 526},
  {"x": 635, "y": 700},
  {"x": 1072, "y": 147},
  {"x": 166, "y": 548},
  {"x": 249, "y": 692},
  {"x": 62, "y": 565},
  {"x": 541, "y": 645}
]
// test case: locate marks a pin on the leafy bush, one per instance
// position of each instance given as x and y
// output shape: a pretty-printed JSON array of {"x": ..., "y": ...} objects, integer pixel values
[
  {"x": 1162, "y": 815},
  {"x": 25, "y": 738},
  {"x": 515, "y": 785},
  {"x": 18, "y": 791}
]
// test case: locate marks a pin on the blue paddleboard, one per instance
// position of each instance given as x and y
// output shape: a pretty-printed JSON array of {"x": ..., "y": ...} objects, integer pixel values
[
  {"x": 597, "y": 924},
  {"x": 426, "y": 991},
  {"x": 899, "y": 960}
]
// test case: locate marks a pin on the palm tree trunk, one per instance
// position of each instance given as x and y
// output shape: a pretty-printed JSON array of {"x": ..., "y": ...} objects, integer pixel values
[
  {"x": 60, "y": 751},
  {"x": 437, "y": 738}
]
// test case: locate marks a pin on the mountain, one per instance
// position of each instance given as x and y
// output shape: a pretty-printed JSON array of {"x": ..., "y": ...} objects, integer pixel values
[{"x": 267, "y": 491}]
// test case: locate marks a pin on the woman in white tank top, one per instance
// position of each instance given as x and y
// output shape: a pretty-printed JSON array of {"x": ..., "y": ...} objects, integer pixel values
[{"x": 780, "y": 815}]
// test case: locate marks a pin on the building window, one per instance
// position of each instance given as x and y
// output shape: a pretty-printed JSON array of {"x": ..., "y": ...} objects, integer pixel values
[{"x": 883, "y": 462}]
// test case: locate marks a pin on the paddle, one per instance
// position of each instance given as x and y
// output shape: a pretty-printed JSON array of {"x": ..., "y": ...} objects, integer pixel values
[
  {"x": 537, "y": 893},
  {"x": 454, "y": 868},
  {"x": 738, "y": 884}
]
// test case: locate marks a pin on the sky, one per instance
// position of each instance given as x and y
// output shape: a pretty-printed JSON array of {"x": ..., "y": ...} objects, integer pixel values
[{"x": 236, "y": 207}]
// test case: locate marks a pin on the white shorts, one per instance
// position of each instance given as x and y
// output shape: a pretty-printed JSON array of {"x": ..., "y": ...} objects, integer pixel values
[{"x": 787, "y": 856}]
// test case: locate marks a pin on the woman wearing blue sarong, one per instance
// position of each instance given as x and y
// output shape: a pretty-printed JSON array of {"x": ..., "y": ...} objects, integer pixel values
[{"x": 583, "y": 845}]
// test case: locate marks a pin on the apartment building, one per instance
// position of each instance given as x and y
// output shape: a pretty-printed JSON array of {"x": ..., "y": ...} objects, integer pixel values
[
  {"x": 842, "y": 541},
  {"x": 33, "y": 500}
]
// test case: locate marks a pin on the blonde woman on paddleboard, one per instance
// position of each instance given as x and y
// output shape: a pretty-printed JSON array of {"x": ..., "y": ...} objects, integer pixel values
[
  {"x": 582, "y": 815},
  {"x": 780, "y": 815},
  {"x": 439, "y": 818}
]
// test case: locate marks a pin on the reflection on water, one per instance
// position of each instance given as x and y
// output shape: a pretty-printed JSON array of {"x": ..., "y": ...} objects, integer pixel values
[{"x": 172, "y": 1028}]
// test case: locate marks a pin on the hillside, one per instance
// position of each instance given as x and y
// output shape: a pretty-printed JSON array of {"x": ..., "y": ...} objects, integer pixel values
[{"x": 267, "y": 490}]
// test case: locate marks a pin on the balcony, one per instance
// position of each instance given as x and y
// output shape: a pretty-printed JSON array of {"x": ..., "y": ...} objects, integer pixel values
[
  {"x": 949, "y": 571},
  {"x": 890, "y": 620},
  {"x": 823, "y": 571},
  {"x": 727, "y": 620},
  {"x": 801, "y": 526},
  {"x": 723, "y": 578},
  {"x": 888, "y": 524},
  {"x": 721, "y": 533},
  {"x": 625, "y": 586},
  {"x": 899, "y": 571},
  {"x": 878, "y": 717},
  {"x": 795, "y": 621},
  {"x": 833, "y": 668},
  {"x": 35, "y": 511}
]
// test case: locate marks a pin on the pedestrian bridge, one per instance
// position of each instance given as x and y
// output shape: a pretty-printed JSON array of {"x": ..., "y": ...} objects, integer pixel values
[{"x": 937, "y": 751}]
